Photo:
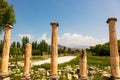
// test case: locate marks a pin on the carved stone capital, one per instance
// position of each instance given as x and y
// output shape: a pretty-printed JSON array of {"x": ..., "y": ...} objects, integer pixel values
[
  {"x": 9, "y": 26},
  {"x": 54, "y": 24},
  {"x": 111, "y": 19}
]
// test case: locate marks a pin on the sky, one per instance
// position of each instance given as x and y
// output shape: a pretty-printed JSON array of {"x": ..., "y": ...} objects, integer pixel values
[{"x": 81, "y": 22}]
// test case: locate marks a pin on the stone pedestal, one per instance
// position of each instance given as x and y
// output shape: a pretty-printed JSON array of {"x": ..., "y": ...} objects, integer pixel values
[
  {"x": 26, "y": 77},
  {"x": 5, "y": 76},
  {"x": 54, "y": 51},
  {"x": 83, "y": 65},
  {"x": 27, "y": 63},
  {"x": 5, "y": 52},
  {"x": 114, "y": 55},
  {"x": 53, "y": 77},
  {"x": 83, "y": 78}
]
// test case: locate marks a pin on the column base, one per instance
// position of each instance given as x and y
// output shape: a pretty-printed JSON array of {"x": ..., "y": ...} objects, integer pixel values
[
  {"x": 4, "y": 75},
  {"x": 53, "y": 77},
  {"x": 83, "y": 78},
  {"x": 114, "y": 78},
  {"x": 26, "y": 77}
]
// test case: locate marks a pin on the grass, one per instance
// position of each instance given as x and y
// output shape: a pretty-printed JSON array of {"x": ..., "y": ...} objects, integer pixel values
[
  {"x": 34, "y": 58},
  {"x": 97, "y": 60},
  {"x": 91, "y": 60},
  {"x": 73, "y": 63},
  {"x": 40, "y": 57},
  {"x": 45, "y": 66},
  {"x": 96, "y": 77}
]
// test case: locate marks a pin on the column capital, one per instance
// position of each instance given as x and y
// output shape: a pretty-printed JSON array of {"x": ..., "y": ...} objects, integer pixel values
[
  {"x": 9, "y": 26},
  {"x": 111, "y": 19},
  {"x": 54, "y": 24}
]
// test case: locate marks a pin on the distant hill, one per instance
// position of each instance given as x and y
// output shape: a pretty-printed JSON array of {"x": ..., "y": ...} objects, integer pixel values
[
  {"x": 61, "y": 47},
  {"x": 73, "y": 48},
  {"x": 81, "y": 47}
]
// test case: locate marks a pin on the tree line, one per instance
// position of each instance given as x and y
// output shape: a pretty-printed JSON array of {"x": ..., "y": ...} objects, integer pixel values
[
  {"x": 18, "y": 48},
  {"x": 102, "y": 49},
  {"x": 42, "y": 48},
  {"x": 38, "y": 48}
]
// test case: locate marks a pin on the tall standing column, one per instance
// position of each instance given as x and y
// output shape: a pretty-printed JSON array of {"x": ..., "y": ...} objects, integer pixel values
[
  {"x": 4, "y": 75},
  {"x": 114, "y": 55},
  {"x": 83, "y": 65},
  {"x": 27, "y": 63},
  {"x": 54, "y": 51}
]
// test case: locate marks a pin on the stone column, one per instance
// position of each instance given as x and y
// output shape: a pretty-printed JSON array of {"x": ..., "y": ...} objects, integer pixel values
[
  {"x": 114, "y": 55},
  {"x": 4, "y": 74},
  {"x": 54, "y": 51},
  {"x": 27, "y": 63},
  {"x": 83, "y": 65}
]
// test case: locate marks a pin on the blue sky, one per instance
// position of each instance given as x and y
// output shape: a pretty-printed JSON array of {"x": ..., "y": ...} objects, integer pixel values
[{"x": 82, "y": 22}]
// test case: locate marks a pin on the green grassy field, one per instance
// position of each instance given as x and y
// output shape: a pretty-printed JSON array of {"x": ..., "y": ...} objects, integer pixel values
[
  {"x": 91, "y": 60},
  {"x": 98, "y": 61}
]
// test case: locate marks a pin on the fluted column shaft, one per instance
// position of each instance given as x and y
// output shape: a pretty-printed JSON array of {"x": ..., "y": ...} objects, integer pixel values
[
  {"x": 6, "y": 49},
  {"x": 27, "y": 63},
  {"x": 27, "y": 60},
  {"x": 5, "y": 52},
  {"x": 54, "y": 49},
  {"x": 83, "y": 65},
  {"x": 114, "y": 55}
]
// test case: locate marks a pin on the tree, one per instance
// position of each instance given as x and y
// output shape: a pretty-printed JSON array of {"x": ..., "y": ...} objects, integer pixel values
[
  {"x": 15, "y": 51},
  {"x": 60, "y": 51},
  {"x": 43, "y": 47},
  {"x": 7, "y": 16},
  {"x": 100, "y": 49},
  {"x": 13, "y": 44},
  {"x": 1, "y": 45},
  {"x": 119, "y": 45},
  {"x": 35, "y": 50},
  {"x": 65, "y": 49},
  {"x": 34, "y": 45},
  {"x": 69, "y": 51},
  {"x": 18, "y": 45},
  {"x": 25, "y": 40}
]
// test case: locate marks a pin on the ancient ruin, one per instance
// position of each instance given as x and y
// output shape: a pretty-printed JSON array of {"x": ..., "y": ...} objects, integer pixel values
[
  {"x": 54, "y": 51},
  {"x": 83, "y": 65},
  {"x": 114, "y": 55},
  {"x": 4, "y": 74},
  {"x": 27, "y": 63},
  {"x": 54, "y": 72}
]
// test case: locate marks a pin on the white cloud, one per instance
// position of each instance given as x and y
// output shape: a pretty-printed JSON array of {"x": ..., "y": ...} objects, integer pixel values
[
  {"x": 76, "y": 40},
  {"x": 28, "y": 35},
  {"x": 70, "y": 39},
  {"x": 44, "y": 37}
]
